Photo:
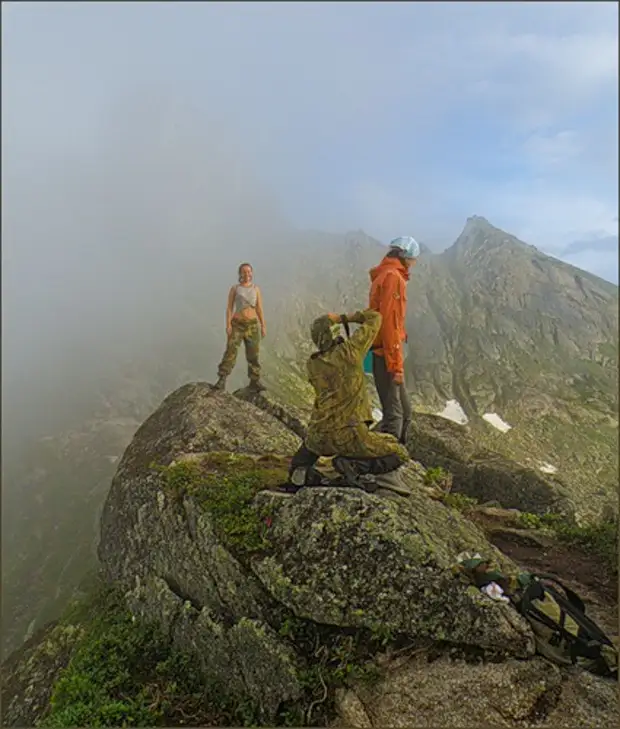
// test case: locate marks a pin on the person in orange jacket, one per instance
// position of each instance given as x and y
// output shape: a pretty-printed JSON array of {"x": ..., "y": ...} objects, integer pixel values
[{"x": 388, "y": 296}]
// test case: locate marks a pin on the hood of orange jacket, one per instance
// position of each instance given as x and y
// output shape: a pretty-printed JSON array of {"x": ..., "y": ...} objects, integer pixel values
[
  {"x": 389, "y": 264},
  {"x": 388, "y": 295}
]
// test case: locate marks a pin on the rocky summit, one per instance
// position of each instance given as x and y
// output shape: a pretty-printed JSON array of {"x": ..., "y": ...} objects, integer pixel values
[{"x": 223, "y": 601}]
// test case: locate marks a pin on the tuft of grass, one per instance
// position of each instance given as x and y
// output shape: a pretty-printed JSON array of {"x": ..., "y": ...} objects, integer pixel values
[
  {"x": 225, "y": 484},
  {"x": 460, "y": 502},
  {"x": 535, "y": 521},
  {"x": 438, "y": 477}
]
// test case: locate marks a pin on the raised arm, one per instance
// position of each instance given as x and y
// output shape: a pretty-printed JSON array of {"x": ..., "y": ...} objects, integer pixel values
[
  {"x": 259, "y": 311},
  {"x": 360, "y": 342}
]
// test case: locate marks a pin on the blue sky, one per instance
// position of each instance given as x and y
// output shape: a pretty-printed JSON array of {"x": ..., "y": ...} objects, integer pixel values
[{"x": 391, "y": 117}]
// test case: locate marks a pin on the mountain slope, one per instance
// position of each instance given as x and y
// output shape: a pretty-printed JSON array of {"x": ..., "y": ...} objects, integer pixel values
[
  {"x": 506, "y": 330},
  {"x": 526, "y": 345}
]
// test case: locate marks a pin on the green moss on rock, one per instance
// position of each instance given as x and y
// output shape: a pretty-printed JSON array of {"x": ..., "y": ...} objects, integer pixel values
[
  {"x": 100, "y": 666},
  {"x": 225, "y": 484}
]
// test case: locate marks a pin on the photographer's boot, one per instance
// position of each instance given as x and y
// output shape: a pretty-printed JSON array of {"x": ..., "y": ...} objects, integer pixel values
[{"x": 393, "y": 482}]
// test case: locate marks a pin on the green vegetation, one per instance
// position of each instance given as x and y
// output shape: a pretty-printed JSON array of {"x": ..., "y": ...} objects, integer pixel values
[
  {"x": 225, "y": 484},
  {"x": 123, "y": 673},
  {"x": 461, "y": 502},
  {"x": 600, "y": 539},
  {"x": 535, "y": 521},
  {"x": 438, "y": 477}
]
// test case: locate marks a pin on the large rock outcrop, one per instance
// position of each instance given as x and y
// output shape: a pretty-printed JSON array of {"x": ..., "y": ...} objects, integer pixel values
[
  {"x": 224, "y": 564},
  {"x": 328, "y": 607},
  {"x": 482, "y": 474},
  {"x": 343, "y": 557}
]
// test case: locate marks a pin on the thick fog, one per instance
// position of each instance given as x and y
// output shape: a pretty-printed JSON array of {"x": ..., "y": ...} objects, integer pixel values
[
  {"x": 147, "y": 148},
  {"x": 109, "y": 251},
  {"x": 117, "y": 259}
]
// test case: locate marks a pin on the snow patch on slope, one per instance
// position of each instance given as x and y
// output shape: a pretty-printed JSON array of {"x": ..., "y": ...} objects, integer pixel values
[
  {"x": 497, "y": 422},
  {"x": 547, "y": 468},
  {"x": 453, "y": 411}
]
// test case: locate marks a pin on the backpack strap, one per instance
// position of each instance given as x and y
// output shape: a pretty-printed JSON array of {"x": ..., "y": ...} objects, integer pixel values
[
  {"x": 576, "y": 602},
  {"x": 345, "y": 323},
  {"x": 588, "y": 633},
  {"x": 571, "y": 596}
]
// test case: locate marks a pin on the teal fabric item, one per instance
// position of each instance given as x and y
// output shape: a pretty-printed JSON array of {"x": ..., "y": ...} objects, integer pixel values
[{"x": 368, "y": 363}]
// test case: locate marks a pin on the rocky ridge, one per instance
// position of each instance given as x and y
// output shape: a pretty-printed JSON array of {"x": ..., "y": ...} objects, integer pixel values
[{"x": 332, "y": 606}]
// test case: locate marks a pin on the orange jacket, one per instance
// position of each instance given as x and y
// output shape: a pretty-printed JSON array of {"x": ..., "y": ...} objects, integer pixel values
[{"x": 388, "y": 296}]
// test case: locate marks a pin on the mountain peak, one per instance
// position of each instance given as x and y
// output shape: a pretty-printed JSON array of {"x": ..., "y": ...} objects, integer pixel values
[
  {"x": 478, "y": 233},
  {"x": 476, "y": 224},
  {"x": 477, "y": 221}
]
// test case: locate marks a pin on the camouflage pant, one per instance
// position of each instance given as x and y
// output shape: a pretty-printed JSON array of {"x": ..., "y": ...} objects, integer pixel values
[
  {"x": 355, "y": 442},
  {"x": 248, "y": 332}
]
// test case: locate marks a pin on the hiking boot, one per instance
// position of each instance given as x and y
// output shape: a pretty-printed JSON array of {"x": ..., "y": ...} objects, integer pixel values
[
  {"x": 220, "y": 384},
  {"x": 308, "y": 476},
  {"x": 256, "y": 386},
  {"x": 350, "y": 476},
  {"x": 392, "y": 481}
]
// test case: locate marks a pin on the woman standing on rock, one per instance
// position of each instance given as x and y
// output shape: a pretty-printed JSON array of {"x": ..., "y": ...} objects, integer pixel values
[
  {"x": 245, "y": 322},
  {"x": 388, "y": 296}
]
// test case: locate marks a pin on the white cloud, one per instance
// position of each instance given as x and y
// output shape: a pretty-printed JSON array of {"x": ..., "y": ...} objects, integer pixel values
[
  {"x": 552, "y": 150},
  {"x": 551, "y": 219},
  {"x": 576, "y": 62},
  {"x": 313, "y": 87},
  {"x": 600, "y": 263}
]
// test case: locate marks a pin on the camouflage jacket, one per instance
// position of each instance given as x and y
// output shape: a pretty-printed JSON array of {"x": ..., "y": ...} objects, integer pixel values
[{"x": 338, "y": 379}]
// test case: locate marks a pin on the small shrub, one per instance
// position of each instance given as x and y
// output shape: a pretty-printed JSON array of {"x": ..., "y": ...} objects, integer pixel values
[
  {"x": 460, "y": 502},
  {"x": 124, "y": 672},
  {"x": 438, "y": 477},
  {"x": 529, "y": 521}
]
